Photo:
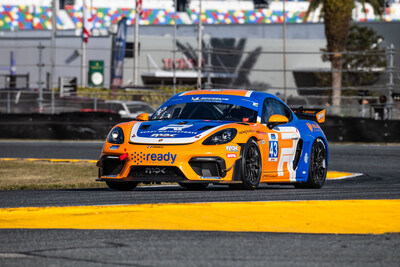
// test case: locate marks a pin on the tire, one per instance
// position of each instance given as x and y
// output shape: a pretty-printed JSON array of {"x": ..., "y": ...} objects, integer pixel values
[
  {"x": 194, "y": 186},
  {"x": 317, "y": 166},
  {"x": 121, "y": 186},
  {"x": 251, "y": 167}
]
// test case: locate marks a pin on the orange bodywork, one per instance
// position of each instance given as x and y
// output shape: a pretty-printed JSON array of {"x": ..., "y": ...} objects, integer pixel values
[{"x": 274, "y": 169}]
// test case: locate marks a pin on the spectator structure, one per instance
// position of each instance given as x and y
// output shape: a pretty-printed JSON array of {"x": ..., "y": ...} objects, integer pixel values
[{"x": 36, "y": 16}]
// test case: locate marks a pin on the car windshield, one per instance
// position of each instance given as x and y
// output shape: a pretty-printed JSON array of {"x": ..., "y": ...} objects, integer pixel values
[
  {"x": 206, "y": 111},
  {"x": 139, "y": 108}
]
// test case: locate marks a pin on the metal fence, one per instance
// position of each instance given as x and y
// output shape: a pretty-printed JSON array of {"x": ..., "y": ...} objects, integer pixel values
[
  {"x": 226, "y": 64},
  {"x": 20, "y": 101}
]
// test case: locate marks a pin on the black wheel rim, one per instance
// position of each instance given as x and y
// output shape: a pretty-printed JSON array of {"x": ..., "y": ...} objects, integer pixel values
[
  {"x": 253, "y": 162},
  {"x": 319, "y": 162}
]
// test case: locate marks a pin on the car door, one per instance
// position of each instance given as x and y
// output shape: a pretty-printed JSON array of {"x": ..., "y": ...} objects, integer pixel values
[{"x": 282, "y": 143}]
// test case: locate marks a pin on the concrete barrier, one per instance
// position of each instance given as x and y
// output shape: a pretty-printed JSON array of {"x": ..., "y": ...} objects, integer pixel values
[
  {"x": 66, "y": 126},
  {"x": 338, "y": 129},
  {"x": 96, "y": 125}
]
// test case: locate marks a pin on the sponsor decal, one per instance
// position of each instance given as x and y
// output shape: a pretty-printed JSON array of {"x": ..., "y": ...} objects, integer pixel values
[
  {"x": 231, "y": 155},
  {"x": 175, "y": 127},
  {"x": 155, "y": 146},
  {"x": 306, "y": 158},
  {"x": 262, "y": 142},
  {"x": 246, "y": 131},
  {"x": 313, "y": 127},
  {"x": 155, "y": 170},
  {"x": 320, "y": 116},
  {"x": 169, "y": 132},
  {"x": 140, "y": 157},
  {"x": 273, "y": 147},
  {"x": 114, "y": 147},
  {"x": 209, "y": 99},
  {"x": 163, "y": 135},
  {"x": 232, "y": 148},
  {"x": 210, "y": 177},
  {"x": 255, "y": 104}
]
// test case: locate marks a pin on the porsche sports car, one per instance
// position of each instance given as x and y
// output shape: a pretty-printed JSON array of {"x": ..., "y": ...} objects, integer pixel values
[{"x": 232, "y": 137}]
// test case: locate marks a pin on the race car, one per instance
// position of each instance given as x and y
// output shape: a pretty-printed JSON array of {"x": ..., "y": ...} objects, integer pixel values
[{"x": 238, "y": 138}]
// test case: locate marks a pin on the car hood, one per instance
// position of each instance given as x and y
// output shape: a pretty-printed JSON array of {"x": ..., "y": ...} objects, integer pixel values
[{"x": 173, "y": 131}]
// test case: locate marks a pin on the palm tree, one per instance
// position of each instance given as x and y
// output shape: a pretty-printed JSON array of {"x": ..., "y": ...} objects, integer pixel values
[{"x": 337, "y": 16}]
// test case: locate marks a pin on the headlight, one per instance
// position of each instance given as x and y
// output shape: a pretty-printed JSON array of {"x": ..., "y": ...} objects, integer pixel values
[
  {"x": 221, "y": 137},
  {"x": 116, "y": 136}
]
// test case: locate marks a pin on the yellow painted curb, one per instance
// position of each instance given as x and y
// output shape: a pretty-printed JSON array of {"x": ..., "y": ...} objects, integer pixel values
[
  {"x": 334, "y": 175},
  {"x": 330, "y": 217}
]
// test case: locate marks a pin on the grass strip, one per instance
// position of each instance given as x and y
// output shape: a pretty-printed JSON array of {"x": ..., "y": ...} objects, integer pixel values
[{"x": 19, "y": 175}]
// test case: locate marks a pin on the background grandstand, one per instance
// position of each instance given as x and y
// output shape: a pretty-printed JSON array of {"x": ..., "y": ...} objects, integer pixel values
[{"x": 37, "y": 14}]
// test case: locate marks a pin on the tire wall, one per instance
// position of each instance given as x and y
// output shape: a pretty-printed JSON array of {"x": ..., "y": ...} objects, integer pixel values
[
  {"x": 338, "y": 129},
  {"x": 67, "y": 126},
  {"x": 96, "y": 125}
]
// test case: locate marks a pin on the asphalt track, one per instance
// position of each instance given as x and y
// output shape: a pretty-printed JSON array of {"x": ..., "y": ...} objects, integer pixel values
[{"x": 380, "y": 182}]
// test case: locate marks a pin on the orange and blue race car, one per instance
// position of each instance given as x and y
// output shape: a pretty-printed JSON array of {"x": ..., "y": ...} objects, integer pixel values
[{"x": 235, "y": 137}]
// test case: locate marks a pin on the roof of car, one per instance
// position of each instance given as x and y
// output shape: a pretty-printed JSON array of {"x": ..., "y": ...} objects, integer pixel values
[
  {"x": 232, "y": 92},
  {"x": 219, "y": 92}
]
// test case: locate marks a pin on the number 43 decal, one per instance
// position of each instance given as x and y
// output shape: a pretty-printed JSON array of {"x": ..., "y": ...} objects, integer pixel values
[{"x": 273, "y": 147}]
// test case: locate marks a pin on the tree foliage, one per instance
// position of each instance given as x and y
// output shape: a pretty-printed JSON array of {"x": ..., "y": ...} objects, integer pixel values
[
  {"x": 337, "y": 16},
  {"x": 369, "y": 57},
  {"x": 363, "y": 60}
]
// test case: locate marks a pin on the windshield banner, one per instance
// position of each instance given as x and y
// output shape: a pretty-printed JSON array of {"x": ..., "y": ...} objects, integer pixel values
[{"x": 224, "y": 99}]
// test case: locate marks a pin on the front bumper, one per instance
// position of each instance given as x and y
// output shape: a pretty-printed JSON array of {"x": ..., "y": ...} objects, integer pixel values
[{"x": 169, "y": 163}]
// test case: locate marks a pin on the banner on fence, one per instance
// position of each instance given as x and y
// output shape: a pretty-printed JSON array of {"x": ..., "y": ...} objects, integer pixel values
[{"x": 119, "y": 54}]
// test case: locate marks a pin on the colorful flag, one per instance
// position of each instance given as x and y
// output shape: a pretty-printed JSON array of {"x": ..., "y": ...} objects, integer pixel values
[
  {"x": 139, "y": 7},
  {"x": 87, "y": 23}
]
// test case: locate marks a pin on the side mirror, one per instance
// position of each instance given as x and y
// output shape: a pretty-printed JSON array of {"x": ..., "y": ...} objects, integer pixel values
[
  {"x": 275, "y": 120},
  {"x": 142, "y": 117}
]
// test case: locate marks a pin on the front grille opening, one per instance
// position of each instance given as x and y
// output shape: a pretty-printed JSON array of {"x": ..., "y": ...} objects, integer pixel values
[
  {"x": 111, "y": 166},
  {"x": 156, "y": 173},
  {"x": 206, "y": 168}
]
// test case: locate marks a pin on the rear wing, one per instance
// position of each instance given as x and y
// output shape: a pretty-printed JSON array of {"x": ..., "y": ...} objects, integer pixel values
[{"x": 313, "y": 114}]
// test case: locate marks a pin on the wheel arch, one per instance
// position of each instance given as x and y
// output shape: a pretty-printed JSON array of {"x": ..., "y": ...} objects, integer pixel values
[
  {"x": 238, "y": 169},
  {"x": 303, "y": 164}
]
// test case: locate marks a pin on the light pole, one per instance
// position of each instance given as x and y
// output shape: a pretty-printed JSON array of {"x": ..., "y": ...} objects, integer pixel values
[
  {"x": 284, "y": 52},
  {"x": 136, "y": 47},
  {"x": 53, "y": 51},
  {"x": 174, "y": 51},
  {"x": 199, "y": 57},
  {"x": 83, "y": 42}
]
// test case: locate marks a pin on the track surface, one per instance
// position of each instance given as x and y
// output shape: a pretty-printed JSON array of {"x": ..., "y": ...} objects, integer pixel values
[{"x": 183, "y": 248}]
